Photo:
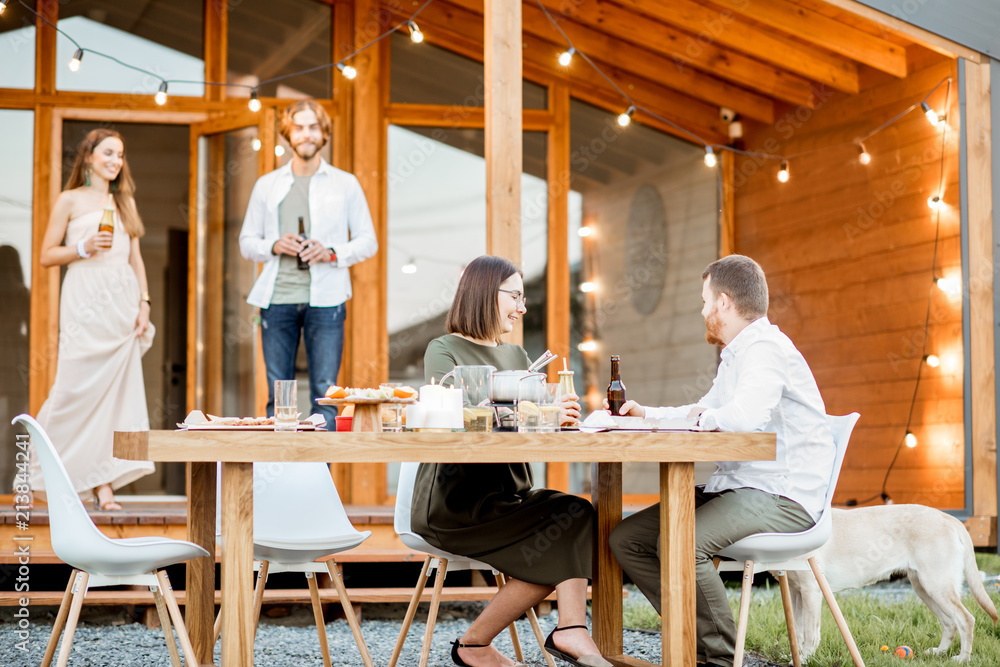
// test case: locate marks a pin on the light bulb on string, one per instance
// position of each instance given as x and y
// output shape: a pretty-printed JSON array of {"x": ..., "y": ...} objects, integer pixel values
[
  {"x": 3, "y": 6},
  {"x": 585, "y": 231},
  {"x": 415, "y": 35},
  {"x": 625, "y": 118},
  {"x": 410, "y": 266},
  {"x": 74, "y": 63},
  {"x": 279, "y": 150},
  {"x": 588, "y": 345},
  {"x": 932, "y": 360},
  {"x": 710, "y": 159},
  {"x": 864, "y": 157},
  {"x": 254, "y": 102},
  {"x": 932, "y": 116},
  {"x": 910, "y": 439},
  {"x": 587, "y": 287},
  {"x": 161, "y": 94},
  {"x": 934, "y": 202},
  {"x": 783, "y": 172},
  {"x": 255, "y": 144},
  {"x": 348, "y": 71},
  {"x": 950, "y": 286},
  {"x": 566, "y": 57}
]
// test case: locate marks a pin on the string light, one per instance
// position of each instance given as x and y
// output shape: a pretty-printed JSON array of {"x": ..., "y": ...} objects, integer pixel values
[
  {"x": 348, "y": 71},
  {"x": 3, "y": 6},
  {"x": 585, "y": 231},
  {"x": 910, "y": 439},
  {"x": 255, "y": 144},
  {"x": 415, "y": 35},
  {"x": 783, "y": 172},
  {"x": 410, "y": 267},
  {"x": 950, "y": 286},
  {"x": 932, "y": 116},
  {"x": 863, "y": 156},
  {"x": 566, "y": 57},
  {"x": 588, "y": 345},
  {"x": 254, "y": 103},
  {"x": 625, "y": 118},
  {"x": 932, "y": 360},
  {"x": 74, "y": 63},
  {"x": 710, "y": 160},
  {"x": 588, "y": 287},
  {"x": 161, "y": 94},
  {"x": 934, "y": 202},
  {"x": 279, "y": 150}
]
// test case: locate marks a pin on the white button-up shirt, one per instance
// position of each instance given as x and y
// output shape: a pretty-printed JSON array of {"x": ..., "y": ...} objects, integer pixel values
[
  {"x": 764, "y": 384},
  {"x": 339, "y": 219}
]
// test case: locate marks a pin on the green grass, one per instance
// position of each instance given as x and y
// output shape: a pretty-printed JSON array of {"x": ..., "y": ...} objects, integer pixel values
[{"x": 873, "y": 622}]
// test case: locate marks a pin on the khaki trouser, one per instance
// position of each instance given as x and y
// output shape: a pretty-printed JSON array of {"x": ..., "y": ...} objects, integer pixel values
[{"x": 720, "y": 520}]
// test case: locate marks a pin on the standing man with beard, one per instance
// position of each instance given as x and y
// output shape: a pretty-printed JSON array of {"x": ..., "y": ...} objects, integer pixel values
[
  {"x": 338, "y": 233},
  {"x": 763, "y": 384}
]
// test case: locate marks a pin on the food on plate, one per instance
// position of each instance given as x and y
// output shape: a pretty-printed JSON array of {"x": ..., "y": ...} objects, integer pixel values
[
  {"x": 361, "y": 392},
  {"x": 405, "y": 392},
  {"x": 336, "y": 392}
]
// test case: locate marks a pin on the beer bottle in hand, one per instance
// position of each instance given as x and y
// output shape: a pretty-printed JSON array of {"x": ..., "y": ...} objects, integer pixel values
[
  {"x": 107, "y": 223},
  {"x": 303, "y": 264},
  {"x": 616, "y": 390}
]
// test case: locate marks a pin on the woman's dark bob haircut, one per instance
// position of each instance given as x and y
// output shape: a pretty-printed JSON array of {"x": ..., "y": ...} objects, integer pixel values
[{"x": 475, "y": 311}]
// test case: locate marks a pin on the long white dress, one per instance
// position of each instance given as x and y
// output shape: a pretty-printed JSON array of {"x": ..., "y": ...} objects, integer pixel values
[{"x": 99, "y": 386}]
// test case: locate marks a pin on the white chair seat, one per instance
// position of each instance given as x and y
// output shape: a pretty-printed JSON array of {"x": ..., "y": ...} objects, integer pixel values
[
  {"x": 778, "y": 547},
  {"x": 99, "y": 560},
  {"x": 305, "y": 550}
]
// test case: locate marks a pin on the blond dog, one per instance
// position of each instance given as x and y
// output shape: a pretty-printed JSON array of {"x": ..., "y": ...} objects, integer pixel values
[{"x": 871, "y": 544}]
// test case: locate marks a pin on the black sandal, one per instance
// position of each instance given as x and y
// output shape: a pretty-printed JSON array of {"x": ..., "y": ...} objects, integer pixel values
[
  {"x": 457, "y": 644},
  {"x": 582, "y": 661}
]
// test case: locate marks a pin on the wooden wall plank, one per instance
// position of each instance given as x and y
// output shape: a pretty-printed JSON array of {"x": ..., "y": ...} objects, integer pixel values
[{"x": 978, "y": 111}]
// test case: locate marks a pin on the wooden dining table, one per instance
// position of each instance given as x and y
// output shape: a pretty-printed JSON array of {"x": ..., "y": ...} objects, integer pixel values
[{"x": 237, "y": 450}]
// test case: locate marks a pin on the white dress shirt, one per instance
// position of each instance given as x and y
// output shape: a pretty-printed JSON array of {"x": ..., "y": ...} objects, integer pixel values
[
  {"x": 340, "y": 219},
  {"x": 764, "y": 384}
]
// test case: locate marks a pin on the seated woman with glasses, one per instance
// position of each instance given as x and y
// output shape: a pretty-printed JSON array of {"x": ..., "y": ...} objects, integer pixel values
[{"x": 541, "y": 539}]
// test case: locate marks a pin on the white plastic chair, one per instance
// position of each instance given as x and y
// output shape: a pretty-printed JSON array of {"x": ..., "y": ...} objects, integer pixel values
[
  {"x": 443, "y": 562},
  {"x": 782, "y": 552},
  {"x": 297, "y": 518},
  {"x": 98, "y": 560}
]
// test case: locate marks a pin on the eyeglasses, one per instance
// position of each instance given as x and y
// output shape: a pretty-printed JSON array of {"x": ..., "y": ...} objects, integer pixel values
[{"x": 518, "y": 296}]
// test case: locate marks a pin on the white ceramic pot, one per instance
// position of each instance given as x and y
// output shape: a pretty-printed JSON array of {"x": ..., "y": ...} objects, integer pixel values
[{"x": 504, "y": 384}]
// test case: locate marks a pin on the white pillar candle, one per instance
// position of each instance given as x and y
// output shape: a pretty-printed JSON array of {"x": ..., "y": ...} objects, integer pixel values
[{"x": 415, "y": 414}]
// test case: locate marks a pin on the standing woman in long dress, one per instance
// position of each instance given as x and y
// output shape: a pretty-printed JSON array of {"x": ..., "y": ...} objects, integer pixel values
[{"x": 104, "y": 324}]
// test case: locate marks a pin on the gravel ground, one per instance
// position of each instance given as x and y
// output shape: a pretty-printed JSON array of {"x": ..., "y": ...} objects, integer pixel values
[{"x": 103, "y": 638}]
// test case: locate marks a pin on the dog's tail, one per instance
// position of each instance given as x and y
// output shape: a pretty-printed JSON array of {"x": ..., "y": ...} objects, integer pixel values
[{"x": 973, "y": 579}]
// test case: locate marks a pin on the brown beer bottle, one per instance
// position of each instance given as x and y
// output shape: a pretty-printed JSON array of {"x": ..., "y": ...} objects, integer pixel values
[
  {"x": 107, "y": 223},
  {"x": 616, "y": 390},
  {"x": 303, "y": 264}
]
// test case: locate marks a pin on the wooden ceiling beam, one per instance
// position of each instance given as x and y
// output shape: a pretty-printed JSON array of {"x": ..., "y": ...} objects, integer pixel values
[
  {"x": 707, "y": 24},
  {"x": 823, "y": 31},
  {"x": 455, "y": 28},
  {"x": 643, "y": 62},
  {"x": 685, "y": 51}
]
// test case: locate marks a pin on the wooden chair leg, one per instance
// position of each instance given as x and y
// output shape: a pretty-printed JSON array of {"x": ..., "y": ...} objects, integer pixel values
[
  {"x": 50, "y": 649},
  {"x": 258, "y": 594},
  {"x": 518, "y": 652},
  {"x": 786, "y": 603},
  {"x": 533, "y": 620},
  {"x": 79, "y": 592},
  {"x": 411, "y": 611},
  {"x": 741, "y": 625},
  {"x": 352, "y": 620},
  {"x": 168, "y": 631},
  {"x": 217, "y": 628},
  {"x": 324, "y": 647},
  {"x": 439, "y": 577},
  {"x": 835, "y": 609},
  {"x": 175, "y": 613}
]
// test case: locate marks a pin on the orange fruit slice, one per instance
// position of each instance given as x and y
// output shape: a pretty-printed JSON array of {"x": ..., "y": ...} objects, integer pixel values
[
  {"x": 404, "y": 392},
  {"x": 336, "y": 392}
]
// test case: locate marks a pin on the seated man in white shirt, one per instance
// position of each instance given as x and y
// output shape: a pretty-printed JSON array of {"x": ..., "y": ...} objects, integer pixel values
[{"x": 763, "y": 384}]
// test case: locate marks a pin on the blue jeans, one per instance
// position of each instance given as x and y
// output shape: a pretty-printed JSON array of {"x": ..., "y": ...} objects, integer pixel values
[{"x": 323, "y": 332}]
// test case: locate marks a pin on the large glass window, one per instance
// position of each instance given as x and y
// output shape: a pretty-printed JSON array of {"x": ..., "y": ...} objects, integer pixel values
[
  {"x": 15, "y": 285},
  {"x": 427, "y": 74},
  {"x": 17, "y": 47},
  {"x": 650, "y": 206},
  {"x": 162, "y": 37},
  {"x": 269, "y": 40}
]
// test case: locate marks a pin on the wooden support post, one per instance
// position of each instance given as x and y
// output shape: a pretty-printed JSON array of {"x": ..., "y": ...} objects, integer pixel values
[
  {"x": 502, "y": 39},
  {"x": 216, "y": 41},
  {"x": 727, "y": 221},
  {"x": 606, "y": 493},
  {"x": 980, "y": 216}
]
